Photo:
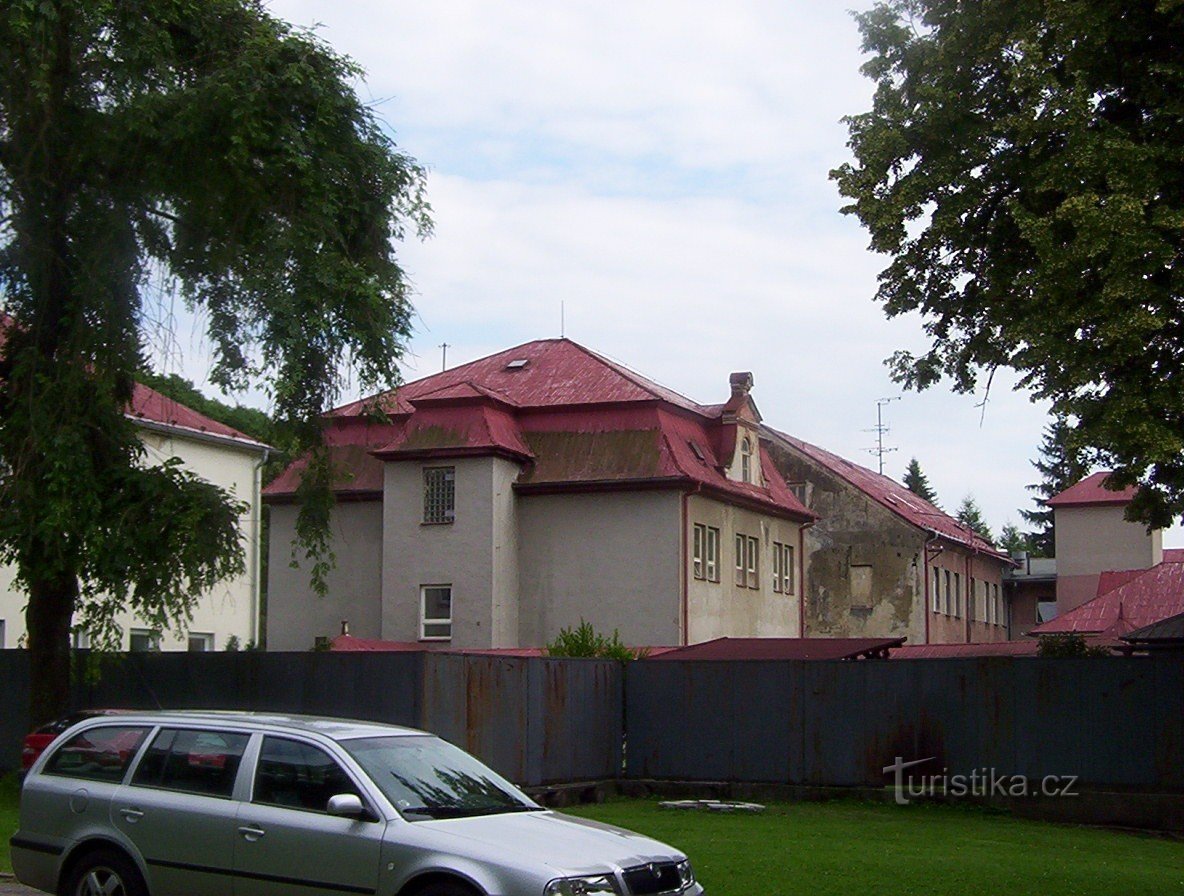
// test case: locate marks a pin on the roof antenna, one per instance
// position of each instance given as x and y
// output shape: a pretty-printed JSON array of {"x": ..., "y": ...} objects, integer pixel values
[
  {"x": 562, "y": 320},
  {"x": 881, "y": 430},
  {"x": 444, "y": 360}
]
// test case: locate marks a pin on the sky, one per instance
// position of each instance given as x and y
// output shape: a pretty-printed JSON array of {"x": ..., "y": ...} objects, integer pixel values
[{"x": 650, "y": 179}]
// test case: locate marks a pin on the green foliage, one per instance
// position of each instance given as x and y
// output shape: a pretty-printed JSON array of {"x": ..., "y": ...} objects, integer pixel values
[
  {"x": 585, "y": 641},
  {"x": 1012, "y": 540},
  {"x": 1068, "y": 645},
  {"x": 917, "y": 483},
  {"x": 1062, "y": 463},
  {"x": 210, "y": 142},
  {"x": 1022, "y": 166},
  {"x": 970, "y": 515}
]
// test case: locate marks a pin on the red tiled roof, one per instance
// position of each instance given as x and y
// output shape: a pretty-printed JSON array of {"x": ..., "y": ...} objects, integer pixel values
[
  {"x": 1029, "y": 647},
  {"x": 574, "y": 418},
  {"x": 1148, "y": 597},
  {"x": 148, "y": 404},
  {"x": 894, "y": 496},
  {"x": 1091, "y": 492},
  {"x": 781, "y": 649}
]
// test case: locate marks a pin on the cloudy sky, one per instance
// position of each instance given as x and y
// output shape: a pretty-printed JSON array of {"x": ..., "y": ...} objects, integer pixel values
[{"x": 656, "y": 172}]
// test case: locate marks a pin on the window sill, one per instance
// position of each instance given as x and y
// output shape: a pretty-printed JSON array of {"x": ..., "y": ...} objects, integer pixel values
[
  {"x": 440, "y": 523},
  {"x": 437, "y": 638}
]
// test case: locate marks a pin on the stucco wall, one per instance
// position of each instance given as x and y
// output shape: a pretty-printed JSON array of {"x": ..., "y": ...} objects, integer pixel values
[
  {"x": 954, "y": 626},
  {"x": 611, "y": 558},
  {"x": 230, "y": 608},
  {"x": 1092, "y": 540},
  {"x": 296, "y": 616},
  {"x": 474, "y": 553},
  {"x": 725, "y": 609}
]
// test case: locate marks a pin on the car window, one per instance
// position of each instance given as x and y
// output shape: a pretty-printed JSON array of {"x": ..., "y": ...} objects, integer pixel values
[
  {"x": 204, "y": 762},
  {"x": 298, "y": 775},
  {"x": 97, "y": 754}
]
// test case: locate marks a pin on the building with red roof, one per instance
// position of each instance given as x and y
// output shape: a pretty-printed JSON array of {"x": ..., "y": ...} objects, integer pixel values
[
  {"x": 882, "y": 562},
  {"x": 495, "y": 503}
]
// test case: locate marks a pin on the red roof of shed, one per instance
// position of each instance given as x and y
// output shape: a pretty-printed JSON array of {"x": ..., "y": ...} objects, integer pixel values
[
  {"x": 1029, "y": 647},
  {"x": 1091, "y": 492},
  {"x": 783, "y": 649},
  {"x": 148, "y": 404}
]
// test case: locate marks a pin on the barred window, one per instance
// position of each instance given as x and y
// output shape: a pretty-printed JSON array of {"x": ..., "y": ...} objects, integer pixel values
[{"x": 439, "y": 494}]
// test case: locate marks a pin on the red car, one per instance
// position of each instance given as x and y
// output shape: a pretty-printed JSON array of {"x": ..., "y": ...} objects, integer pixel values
[{"x": 36, "y": 741}]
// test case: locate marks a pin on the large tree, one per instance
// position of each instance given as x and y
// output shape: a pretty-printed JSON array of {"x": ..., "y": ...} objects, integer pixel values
[
  {"x": 207, "y": 144},
  {"x": 1023, "y": 166},
  {"x": 1062, "y": 463}
]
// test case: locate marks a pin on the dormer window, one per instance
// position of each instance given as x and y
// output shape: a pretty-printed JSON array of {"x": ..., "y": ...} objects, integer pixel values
[{"x": 746, "y": 460}]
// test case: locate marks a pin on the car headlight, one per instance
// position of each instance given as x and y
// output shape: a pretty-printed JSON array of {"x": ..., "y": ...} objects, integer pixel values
[
  {"x": 579, "y": 886},
  {"x": 686, "y": 876}
]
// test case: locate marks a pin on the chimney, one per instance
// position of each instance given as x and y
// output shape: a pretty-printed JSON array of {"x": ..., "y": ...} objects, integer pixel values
[{"x": 741, "y": 383}]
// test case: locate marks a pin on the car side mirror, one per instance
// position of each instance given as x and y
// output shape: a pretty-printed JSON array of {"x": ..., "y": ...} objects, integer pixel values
[{"x": 346, "y": 805}]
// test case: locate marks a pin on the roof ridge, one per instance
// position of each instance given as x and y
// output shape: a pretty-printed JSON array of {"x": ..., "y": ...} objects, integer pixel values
[{"x": 653, "y": 387}]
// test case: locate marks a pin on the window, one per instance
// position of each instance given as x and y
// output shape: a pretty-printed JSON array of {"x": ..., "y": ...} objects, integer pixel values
[
  {"x": 1, "y": 634},
  {"x": 997, "y": 606},
  {"x": 971, "y": 599},
  {"x": 299, "y": 776},
  {"x": 81, "y": 639},
  {"x": 204, "y": 762},
  {"x": 949, "y": 592},
  {"x": 200, "y": 642},
  {"x": 439, "y": 494},
  {"x": 936, "y": 590},
  {"x": 741, "y": 577},
  {"x": 99, "y": 754},
  {"x": 783, "y": 568},
  {"x": 435, "y": 613},
  {"x": 144, "y": 640},
  {"x": 705, "y": 558},
  {"x": 957, "y": 594},
  {"x": 746, "y": 460},
  {"x": 799, "y": 491},
  {"x": 747, "y": 561}
]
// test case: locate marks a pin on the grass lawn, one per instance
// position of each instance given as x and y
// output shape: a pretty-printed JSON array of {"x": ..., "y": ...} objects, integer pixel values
[{"x": 850, "y": 847}]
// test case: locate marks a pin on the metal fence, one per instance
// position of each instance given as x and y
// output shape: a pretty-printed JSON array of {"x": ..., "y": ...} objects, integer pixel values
[{"x": 1108, "y": 721}]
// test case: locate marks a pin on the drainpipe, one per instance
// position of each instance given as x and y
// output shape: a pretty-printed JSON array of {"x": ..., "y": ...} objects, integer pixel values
[
  {"x": 966, "y": 603},
  {"x": 802, "y": 577},
  {"x": 684, "y": 567},
  {"x": 257, "y": 564},
  {"x": 932, "y": 539}
]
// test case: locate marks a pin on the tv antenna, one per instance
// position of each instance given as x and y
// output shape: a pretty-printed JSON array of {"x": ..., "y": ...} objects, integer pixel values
[
  {"x": 881, "y": 430},
  {"x": 444, "y": 346}
]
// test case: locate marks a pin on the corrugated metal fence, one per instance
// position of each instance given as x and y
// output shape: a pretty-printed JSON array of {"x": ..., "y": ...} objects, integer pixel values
[{"x": 1109, "y": 721}]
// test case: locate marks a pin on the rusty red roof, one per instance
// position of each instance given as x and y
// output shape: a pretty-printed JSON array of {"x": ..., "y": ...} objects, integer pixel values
[
  {"x": 782, "y": 649},
  {"x": 1028, "y": 647},
  {"x": 1091, "y": 492},
  {"x": 894, "y": 496},
  {"x": 1146, "y": 598},
  {"x": 150, "y": 405}
]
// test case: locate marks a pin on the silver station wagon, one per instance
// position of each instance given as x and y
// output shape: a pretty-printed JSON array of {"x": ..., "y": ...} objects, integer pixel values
[{"x": 211, "y": 804}]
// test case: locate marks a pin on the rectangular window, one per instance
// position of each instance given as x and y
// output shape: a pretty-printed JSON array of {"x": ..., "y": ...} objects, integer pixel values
[
  {"x": 435, "y": 613},
  {"x": 777, "y": 567},
  {"x": 783, "y": 568},
  {"x": 698, "y": 550},
  {"x": 789, "y": 570},
  {"x": 936, "y": 590},
  {"x": 200, "y": 642},
  {"x": 297, "y": 775},
  {"x": 949, "y": 592},
  {"x": 439, "y": 494},
  {"x": 143, "y": 640},
  {"x": 971, "y": 599},
  {"x": 97, "y": 754},
  {"x": 997, "y": 605},
  {"x": 752, "y": 562},
  {"x": 957, "y": 594},
  {"x": 741, "y": 577},
  {"x": 712, "y": 565}
]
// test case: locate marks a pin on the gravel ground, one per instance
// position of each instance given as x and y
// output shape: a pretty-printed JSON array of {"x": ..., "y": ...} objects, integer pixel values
[{"x": 9, "y": 887}]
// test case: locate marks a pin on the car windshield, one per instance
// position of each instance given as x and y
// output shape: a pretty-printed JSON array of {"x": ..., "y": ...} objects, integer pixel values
[{"x": 425, "y": 777}]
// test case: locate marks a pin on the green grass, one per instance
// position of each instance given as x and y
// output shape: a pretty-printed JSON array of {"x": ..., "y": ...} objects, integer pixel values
[
  {"x": 849, "y": 847},
  {"x": 9, "y": 789}
]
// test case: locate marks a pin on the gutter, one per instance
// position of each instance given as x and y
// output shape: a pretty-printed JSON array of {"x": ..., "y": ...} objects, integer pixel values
[
  {"x": 256, "y": 539},
  {"x": 933, "y": 538},
  {"x": 198, "y": 435}
]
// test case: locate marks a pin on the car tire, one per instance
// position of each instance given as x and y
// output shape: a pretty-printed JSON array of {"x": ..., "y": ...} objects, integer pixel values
[{"x": 105, "y": 872}]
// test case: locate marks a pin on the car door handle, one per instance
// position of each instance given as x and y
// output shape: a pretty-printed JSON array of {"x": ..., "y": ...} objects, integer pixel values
[
  {"x": 132, "y": 815},
  {"x": 251, "y": 833}
]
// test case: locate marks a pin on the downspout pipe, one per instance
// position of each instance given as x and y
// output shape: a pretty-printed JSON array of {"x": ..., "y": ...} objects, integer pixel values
[
  {"x": 932, "y": 539},
  {"x": 256, "y": 538}
]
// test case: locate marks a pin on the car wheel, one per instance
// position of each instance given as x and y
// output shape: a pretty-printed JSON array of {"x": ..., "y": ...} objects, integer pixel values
[{"x": 105, "y": 873}]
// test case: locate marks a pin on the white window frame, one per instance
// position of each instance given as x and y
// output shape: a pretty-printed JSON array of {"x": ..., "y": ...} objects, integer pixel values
[
  {"x": 778, "y": 559},
  {"x": 789, "y": 569},
  {"x": 425, "y": 620},
  {"x": 439, "y": 496},
  {"x": 152, "y": 636},
  {"x": 746, "y": 459},
  {"x": 752, "y": 562},
  {"x": 711, "y": 566},
  {"x": 740, "y": 579},
  {"x": 699, "y": 552},
  {"x": 206, "y": 638}
]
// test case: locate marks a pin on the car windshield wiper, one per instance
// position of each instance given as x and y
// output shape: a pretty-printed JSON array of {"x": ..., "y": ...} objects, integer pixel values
[{"x": 459, "y": 812}]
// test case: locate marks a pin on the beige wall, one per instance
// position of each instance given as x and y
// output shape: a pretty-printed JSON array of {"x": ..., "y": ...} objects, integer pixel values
[
  {"x": 1092, "y": 540},
  {"x": 296, "y": 616},
  {"x": 725, "y": 609},
  {"x": 474, "y": 554},
  {"x": 955, "y": 626},
  {"x": 231, "y": 607},
  {"x": 610, "y": 558}
]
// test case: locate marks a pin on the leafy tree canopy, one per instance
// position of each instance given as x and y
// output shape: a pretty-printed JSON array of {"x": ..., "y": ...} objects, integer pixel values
[
  {"x": 1023, "y": 167},
  {"x": 970, "y": 515},
  {"x": 206, "y": 145},
  {"x": 918, "y": 483},
  {"x": 1062, "y": 463}
]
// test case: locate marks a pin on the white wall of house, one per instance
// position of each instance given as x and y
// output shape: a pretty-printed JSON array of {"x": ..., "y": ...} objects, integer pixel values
[
  {"x": 1092, "y": 540},
  {"x": 610, "y": 558},
  {"x": 230, "y": 608},
  {"x": 296, "y": 616},
  {"x": 727, "y": 607},
  {"x": 474, "y": 555}
]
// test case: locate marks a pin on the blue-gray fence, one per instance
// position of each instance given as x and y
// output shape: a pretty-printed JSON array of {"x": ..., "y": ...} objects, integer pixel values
[{"x": 1116, "y": 721}]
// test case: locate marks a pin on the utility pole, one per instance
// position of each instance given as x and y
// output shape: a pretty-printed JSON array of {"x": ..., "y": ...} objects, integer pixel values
[
  {"x": 444, "y": 361},
  {"x": 881, "y": 430}
]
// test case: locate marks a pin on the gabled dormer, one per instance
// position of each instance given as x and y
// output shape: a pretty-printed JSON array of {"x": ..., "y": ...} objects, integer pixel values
[{"x": 739, "y": 433}]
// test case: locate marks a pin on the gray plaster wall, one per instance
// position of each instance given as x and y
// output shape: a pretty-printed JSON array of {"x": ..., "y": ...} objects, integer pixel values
[
  {"x": 1092, "y": 540},
  {"x": 296, "y": 616},
  {"x": 474, "y": 554},
  {"x": 611, "y": 558}
]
